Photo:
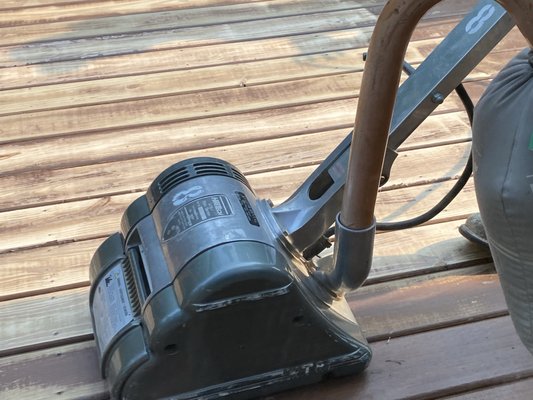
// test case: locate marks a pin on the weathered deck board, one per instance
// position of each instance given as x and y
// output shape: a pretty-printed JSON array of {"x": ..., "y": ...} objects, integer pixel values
[
  {"x": 272, "y": 126},
  {"x": 74, "y": 220},
  {"x": 177, "y": 18},
  {"x": 419, "y": 372},
  {"x": 232, "y": 76},
  {"x": 435, "y": 246},
  {"x": 129, "y": 4},
  {"x": 78, "y": 183},
  {"x": 451, "y": 298},
  {"x": 236, "y": 98},
  {"x": 204, "y": 12},
  {"x": 100, "y": 95},
  {"x": 415, "y": 366},
  {"x": 472, "y": 296},
  {"x": 192, "y": 80},
  {"x": 519, "y": 390},
  {"x": 63, "y": 50},
  {"x": 59, "y": 267}
]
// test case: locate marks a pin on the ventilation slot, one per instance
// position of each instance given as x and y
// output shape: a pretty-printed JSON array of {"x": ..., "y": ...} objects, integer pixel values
[
  {"x": 173, "y": 180},
  {"x": 209, "y": 168},
  {"x": 132, "y": 289},
  {"x": 240, "y": 177},
  {"x": 190, "y": 169}
]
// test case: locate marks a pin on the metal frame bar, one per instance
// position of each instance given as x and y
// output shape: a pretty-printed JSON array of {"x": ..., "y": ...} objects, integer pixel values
[{"x": 314, "y": 205}]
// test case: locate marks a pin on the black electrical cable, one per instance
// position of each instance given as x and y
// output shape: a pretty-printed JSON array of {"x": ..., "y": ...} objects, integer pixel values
[
  {"x": 323, "y": 242},
  {"x": 454, "y": 191}
]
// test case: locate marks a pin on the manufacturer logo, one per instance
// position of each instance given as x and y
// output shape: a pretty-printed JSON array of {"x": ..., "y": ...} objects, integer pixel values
[
  {"x": 476, "y": 23},
  {"x": 186, "y": 195}
]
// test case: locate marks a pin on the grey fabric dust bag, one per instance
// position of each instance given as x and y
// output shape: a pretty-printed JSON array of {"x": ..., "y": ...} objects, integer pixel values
[{"x": 503, "y": 174}]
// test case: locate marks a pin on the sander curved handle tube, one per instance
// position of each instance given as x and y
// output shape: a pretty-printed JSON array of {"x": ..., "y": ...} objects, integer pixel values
[
  {"x": 381, "y": 77},
  {"x": 378, "y": 92}
]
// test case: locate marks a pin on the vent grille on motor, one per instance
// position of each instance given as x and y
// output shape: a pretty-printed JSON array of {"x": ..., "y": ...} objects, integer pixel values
[
  {"x": 132, "y": 289},
  {"x": 240, "y": 177},
  {"x": 189, "y": 169},
  {"x": 174, "y": 179}
]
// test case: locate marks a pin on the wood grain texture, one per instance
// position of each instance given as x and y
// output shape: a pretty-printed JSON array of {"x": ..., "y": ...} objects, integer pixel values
[
  {"x": 519, "y": 390},
  {"x": 100, "y": 214},
  {"x": 98, "y": 96},
  {"x": 185, "y": 81},
  {"x": 239, "y": 75},
  {"x": 216, "y": 54},
  {"x": 28, "y": 12},
  {"x": 14, "y": 4},
  {"x": 59, "y": 49},
  {"x": 70, "y": 49},
  {"x": 154, "y": 20},
  {"x": 190, "y": 136},
  {"x": 45, "y": 270},
  {"x": 402, "y": 368},
  {"x": 414, "y": 367},
  {"x": 383, "y": 310},
  {"x": 426, "y": 302},
  {"x": 43, "y": 186},
  {"x": 43, "y": 320},
  {"x": 65, "y": 266},
  {"x": 69, "y": 372}
]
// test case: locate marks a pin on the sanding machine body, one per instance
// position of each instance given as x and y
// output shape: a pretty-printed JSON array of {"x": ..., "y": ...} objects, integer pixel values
[{"x": 198, "y": 292}]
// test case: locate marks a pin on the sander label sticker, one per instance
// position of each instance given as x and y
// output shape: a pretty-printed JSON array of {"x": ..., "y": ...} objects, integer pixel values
[
  {"x": 111, "y": 306},
  {"x": 247, "y": 208},
  {"x": 195, "y": 212}
]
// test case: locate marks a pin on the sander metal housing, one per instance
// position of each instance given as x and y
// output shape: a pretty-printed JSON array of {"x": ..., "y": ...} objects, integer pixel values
[{"x": 199, "y": 298}]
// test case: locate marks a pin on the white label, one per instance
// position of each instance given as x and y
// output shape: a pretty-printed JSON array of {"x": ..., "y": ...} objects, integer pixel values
[{"x": 111, "y": 306}]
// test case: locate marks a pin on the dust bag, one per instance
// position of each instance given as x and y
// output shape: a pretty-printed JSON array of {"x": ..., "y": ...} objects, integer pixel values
[{"x": 503, "y": 174}]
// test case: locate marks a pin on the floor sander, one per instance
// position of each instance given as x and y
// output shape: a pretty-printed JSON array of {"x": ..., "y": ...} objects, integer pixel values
[{"x": 209, "y": 292}]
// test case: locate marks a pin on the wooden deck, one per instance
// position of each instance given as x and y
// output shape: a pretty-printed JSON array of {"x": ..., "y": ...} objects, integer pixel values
[{"x": 98, "y": 96}]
